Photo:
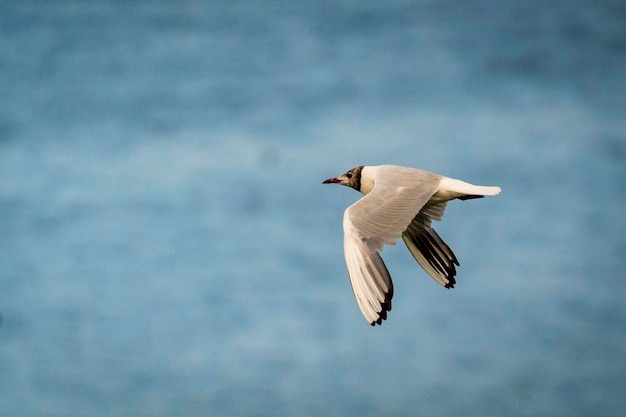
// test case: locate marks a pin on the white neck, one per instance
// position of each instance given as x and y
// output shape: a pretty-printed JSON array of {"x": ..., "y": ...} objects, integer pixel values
[{"x": 367, "y": 180}]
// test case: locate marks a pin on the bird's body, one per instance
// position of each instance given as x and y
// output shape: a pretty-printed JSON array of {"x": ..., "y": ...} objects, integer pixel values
[{"x": 398, "y": 202}]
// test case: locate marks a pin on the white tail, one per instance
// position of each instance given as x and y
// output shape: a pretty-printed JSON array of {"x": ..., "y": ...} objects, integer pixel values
[{"x": 452, "y": 188}]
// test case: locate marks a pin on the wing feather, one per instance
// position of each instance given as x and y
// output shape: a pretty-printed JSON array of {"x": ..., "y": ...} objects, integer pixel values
[
  {"x": 369, "y": 277},
  {"x": 382, "y": 215},
  {"x": 427, "y": 247}
]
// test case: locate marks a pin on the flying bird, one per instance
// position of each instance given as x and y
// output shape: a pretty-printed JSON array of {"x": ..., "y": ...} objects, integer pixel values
[{"x": 398, "y": 202}]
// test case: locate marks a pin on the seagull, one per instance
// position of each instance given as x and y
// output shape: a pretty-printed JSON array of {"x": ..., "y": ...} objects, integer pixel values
[{"x": 398, "y": 202}]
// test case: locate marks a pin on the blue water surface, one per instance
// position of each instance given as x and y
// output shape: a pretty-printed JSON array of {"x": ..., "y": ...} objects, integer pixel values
[{"x": 167, "y": 247}]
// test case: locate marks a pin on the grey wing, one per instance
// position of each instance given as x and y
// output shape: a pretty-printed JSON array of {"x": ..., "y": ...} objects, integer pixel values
[
  {"x": 378, "y": 218},
  {"x": 428, "y": 249},
  {"x": 369, "y": 277},
  {"x": 382, "y": 215}
]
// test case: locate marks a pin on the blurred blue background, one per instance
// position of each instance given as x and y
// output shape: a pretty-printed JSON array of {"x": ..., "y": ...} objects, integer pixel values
[{"x": 167, "y": 247}]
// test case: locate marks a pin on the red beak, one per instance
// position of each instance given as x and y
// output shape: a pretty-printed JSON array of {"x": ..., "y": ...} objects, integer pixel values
[{"x": 331, "y": 181}]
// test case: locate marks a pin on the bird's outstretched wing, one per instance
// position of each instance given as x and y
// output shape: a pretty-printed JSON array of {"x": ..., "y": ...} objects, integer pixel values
[
  {"x": 428, "y": 249},
  {"x": 377, "y": 219},
  {"x": 370, "y": 279}
]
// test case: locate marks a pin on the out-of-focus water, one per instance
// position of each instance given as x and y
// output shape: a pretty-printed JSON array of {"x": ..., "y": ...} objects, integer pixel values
[{"x": 167, "y": 247}]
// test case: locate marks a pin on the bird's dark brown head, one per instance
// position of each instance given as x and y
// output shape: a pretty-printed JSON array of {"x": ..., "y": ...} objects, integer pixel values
[{"x": 351, "y": 179}]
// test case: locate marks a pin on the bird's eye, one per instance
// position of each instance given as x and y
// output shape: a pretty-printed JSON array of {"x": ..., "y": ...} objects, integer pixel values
[{"x": 349, "y": 175}]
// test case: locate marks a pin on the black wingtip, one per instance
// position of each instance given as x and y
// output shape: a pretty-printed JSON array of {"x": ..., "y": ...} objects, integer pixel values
[
  {"x": 385, "y": 308},
  {"x": 379, "y": 320}
]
